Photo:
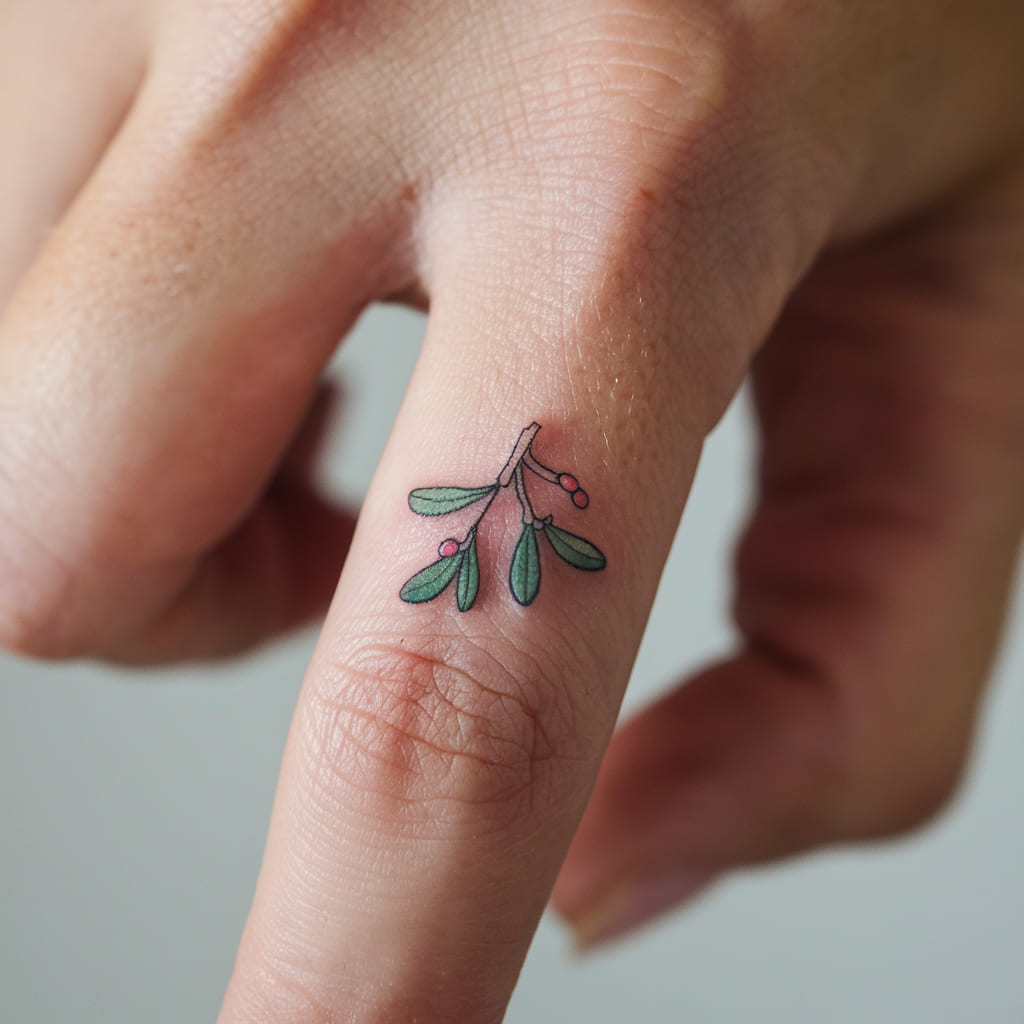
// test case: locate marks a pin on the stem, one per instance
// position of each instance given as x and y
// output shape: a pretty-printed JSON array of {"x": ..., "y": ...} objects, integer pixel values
[
  {"x": 476, "y": 522},
  {"x": 514, "y": 471},
  {"x": 520, "y": 450},
  {"x": 528, "y": 514},
  {"x": 542, "y": 471}
]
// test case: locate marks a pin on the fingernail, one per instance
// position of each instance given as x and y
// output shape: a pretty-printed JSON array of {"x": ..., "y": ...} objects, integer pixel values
[{"x": 630, "y": 905}]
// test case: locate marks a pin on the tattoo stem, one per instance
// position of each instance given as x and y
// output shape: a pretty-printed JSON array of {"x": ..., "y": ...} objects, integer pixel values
[
  {"x": 520, "y": 450},
  {"x": 528, "y": 513},
  {"x": 542, "y": 471},
  {"x": 476, "y": 522},
  {"x": 457, "y": 560}
]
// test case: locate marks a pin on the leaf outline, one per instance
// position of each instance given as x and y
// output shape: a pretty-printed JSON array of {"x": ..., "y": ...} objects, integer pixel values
[
  {"x": 524, "y": 572},
  {"x": 440, "y": 501},
  {"x": 469, "y": 578},
  {"x": 431, "y": 581},
  {"x": 576, "y": 550}
]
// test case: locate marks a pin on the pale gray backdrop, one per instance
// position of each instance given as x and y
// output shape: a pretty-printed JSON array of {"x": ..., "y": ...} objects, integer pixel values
[{"x": 133, "y": 808}]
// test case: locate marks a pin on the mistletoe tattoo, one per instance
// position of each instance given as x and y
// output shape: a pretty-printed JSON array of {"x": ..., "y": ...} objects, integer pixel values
[{"x": 458, "y": 558}]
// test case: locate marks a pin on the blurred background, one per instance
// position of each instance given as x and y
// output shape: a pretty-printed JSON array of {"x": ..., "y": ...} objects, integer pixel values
[{"x": 133, "y": 809}]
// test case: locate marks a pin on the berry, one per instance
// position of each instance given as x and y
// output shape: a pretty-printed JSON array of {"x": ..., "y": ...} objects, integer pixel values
[
  {"x": 568, "y": 483},
  {"x": 580, "y": 498},
  {"x": 448, "y": 548}
]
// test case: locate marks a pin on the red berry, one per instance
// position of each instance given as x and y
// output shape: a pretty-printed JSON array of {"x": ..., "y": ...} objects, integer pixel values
[
  {"x": 448, "y": 548},
  {"x": 568, "y": 483},
  {"x": 581, "y": 499}
]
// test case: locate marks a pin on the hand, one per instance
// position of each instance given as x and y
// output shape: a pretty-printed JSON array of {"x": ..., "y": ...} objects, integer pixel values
[{"x": 615, "y": 212}]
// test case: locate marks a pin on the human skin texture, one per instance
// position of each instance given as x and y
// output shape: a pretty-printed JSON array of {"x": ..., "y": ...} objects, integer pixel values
[{"x": 615, "y": 212}]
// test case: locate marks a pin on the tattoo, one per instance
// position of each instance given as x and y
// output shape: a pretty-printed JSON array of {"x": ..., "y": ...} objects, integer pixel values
[{"x": 458, "y": 558}]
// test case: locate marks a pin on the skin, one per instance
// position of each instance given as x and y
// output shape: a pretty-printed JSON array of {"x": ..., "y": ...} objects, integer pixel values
[{"x": 616, "y": 212}]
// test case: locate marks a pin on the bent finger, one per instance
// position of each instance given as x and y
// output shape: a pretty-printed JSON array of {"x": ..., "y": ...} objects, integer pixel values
[
  {"x": 275, "y": 571},
  {"x": 872, "y": 583},
  {"x": 154, "y": 366}
]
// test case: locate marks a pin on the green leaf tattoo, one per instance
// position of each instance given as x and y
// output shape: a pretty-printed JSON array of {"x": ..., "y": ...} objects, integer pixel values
[
  {"x": 524, "y": 574},
  {"x": 469, "y": 578},
  {"x": 439, "y": 501},
  {"x": 429, "y": 582},
  {"x": 459, "y": 558},
  {"x": 574, "y": 550}
]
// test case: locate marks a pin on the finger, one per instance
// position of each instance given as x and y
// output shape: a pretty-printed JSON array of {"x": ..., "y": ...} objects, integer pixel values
[
  {"x": 154, "y": 367},
  {"x": 439, "y": 759},
  {"x": 68, "y": 73},
  {"x": 872, "y": 582},
  {"x": 300, "y": 463},
  {"x": 276, "y": 570}
]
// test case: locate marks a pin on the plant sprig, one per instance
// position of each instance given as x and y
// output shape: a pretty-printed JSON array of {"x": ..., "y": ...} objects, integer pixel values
[{"x": 457, "y": 559}]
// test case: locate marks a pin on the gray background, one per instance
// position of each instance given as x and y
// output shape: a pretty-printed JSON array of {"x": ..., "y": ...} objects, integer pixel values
[{"x": 133, "y": 808}]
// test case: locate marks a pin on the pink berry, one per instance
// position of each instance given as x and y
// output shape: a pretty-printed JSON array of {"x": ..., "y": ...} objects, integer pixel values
[
  {"x": 448, "y": 548},
  {"x": 581, "y": 499},
  {"x": 568, "y": 483}
]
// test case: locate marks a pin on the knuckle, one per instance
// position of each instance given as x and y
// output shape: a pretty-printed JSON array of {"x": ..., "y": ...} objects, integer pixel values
[
  {"x": 652, "y": 130},
  {"x": 32, "y": 622},
  {"x": 902, "y": 773},
  {"x": 657, "y": 81},
  {"x": 849, "y": 769},
  {"x": 426, "y": 723},
  {"x": 44, "y": 610},
  {"x": 35, "y": 593},
  {"x": 910, "y": 793}
]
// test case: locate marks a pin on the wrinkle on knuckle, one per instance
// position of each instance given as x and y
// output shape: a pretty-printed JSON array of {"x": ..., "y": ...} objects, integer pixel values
[
  {"x": 656, "y": 82},
  {"x": 627, "y": 147},
  {"x": 616, "y": 96},
  {"x": 426, "y": 725}
]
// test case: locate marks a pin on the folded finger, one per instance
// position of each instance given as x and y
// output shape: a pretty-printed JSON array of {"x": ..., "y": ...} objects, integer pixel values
[
  {"x": 872, "y": 583},
  {"x": 155, "y": 365}
]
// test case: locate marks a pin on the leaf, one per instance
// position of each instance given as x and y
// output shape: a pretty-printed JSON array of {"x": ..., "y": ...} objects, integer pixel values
[
  {"x": 469, "y": 578},
  {"x": 524, "y": 575},
  {"x": 439, "y": 501},
  {"x": 574, "y": 550},
  {"x": 429, "y": 582}
]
